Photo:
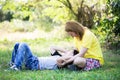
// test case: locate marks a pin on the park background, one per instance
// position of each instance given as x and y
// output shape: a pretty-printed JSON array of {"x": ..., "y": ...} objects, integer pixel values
[{"x": 40, "y": 23}]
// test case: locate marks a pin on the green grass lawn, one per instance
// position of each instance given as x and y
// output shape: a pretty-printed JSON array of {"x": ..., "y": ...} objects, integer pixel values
[{"x": 40, "y": 47}]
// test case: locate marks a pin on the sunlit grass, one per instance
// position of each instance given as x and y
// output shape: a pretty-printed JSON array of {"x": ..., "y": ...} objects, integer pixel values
[{"x": 40, "y": 47}]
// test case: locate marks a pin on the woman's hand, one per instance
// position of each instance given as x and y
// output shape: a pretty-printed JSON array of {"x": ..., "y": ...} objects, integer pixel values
[
  {"x": 69, "y": 60},
  {"x": 61, "y": 62}
]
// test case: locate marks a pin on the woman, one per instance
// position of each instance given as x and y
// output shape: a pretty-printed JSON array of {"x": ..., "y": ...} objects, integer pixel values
[{"x": 89, "y": 51}]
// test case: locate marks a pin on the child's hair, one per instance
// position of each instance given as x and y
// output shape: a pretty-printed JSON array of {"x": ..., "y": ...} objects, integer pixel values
[{"x": 72, "y": 26}]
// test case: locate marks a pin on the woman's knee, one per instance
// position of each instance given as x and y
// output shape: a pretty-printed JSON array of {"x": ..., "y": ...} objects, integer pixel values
[{"x": 80, "y": 62}]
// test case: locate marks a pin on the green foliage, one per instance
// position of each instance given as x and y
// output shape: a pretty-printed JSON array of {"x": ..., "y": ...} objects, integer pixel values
[
  {"x": 84, "y": 11},
  {"x": 109, "y": 27},
  {"x": 115, "y": 10},
  {"x": 6, "y": 10},
  {"x": 24, "y": 11},
  {"x": 19, "y": 10},
  {"x": 55, "y": 10},
  {"x": 52, "y": 13},
  {"x": 9, "y": 5},
  {"x": 114, "y": 6}
]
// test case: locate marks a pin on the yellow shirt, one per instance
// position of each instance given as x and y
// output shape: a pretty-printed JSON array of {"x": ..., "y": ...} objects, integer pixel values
[{"x": 90, "y": 41}]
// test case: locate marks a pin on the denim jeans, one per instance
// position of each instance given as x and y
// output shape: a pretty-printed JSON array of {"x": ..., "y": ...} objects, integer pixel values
[{"x": 22, "y": 54}]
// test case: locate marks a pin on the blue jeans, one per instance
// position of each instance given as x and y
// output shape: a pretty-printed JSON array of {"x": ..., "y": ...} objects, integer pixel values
[{"x": 22, "y": 53}]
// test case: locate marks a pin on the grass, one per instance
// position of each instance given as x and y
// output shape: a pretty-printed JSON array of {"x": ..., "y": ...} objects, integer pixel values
[{"x": 40, "y": 47}]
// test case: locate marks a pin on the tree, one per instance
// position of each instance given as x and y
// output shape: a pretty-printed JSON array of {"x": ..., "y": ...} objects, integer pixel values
[
  {"x": 6, "y": 8},
  {"x": 82, "y": 12},
  {"x": 17, "y": 10}
]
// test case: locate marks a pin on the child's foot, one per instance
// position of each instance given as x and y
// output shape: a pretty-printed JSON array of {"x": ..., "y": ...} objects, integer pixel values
[
  {"x": 14, "y": 68},
  {"x": 10, "y": 64}
]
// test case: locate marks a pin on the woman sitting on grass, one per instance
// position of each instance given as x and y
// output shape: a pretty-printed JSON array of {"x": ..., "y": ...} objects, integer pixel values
[{"x": 89, "y": 51}]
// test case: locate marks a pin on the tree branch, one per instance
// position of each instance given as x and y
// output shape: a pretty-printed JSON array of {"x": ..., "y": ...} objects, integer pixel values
[{"x": 68, "y": 5}]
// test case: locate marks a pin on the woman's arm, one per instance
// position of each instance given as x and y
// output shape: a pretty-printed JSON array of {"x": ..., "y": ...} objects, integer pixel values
[
  {"x": 61, "y": 60},
  {"x": 80, "y": 54}
]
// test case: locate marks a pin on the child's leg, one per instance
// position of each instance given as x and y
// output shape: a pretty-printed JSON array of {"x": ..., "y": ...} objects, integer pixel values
[
  {"x": 23, "y": 53},
  {"x": 14, "y": 52}
]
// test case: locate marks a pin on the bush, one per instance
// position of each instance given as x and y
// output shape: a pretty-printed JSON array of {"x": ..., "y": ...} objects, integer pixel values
[{"x": 109, "y": 27}]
